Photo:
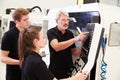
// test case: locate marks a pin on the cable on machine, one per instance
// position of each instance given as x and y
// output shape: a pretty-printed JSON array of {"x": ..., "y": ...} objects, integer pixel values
[
  {"x": 35, "y": 7},
  {"x": 103, "y": 63}
]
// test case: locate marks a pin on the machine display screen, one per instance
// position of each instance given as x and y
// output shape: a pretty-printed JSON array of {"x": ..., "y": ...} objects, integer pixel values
[
  {"x": 85, "y": 21},
  {"x": 80, "y": 19}
]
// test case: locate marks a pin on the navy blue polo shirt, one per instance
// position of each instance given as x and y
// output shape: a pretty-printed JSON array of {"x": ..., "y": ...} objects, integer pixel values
[
  {"x": 61, "y": 61},
  {"x": 34, "y": 68},
  {"x": 10, "y": 43}
]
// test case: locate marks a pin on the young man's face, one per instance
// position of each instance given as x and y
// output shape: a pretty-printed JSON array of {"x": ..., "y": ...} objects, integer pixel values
[{"x": 24, "y": 22}]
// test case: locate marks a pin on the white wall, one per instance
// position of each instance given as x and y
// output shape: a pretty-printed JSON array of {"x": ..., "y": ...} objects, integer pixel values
[
  {"x": 43, "y": 3},
  {"x": 31, "y": 3},
  {"x": 110, "y": 2}
]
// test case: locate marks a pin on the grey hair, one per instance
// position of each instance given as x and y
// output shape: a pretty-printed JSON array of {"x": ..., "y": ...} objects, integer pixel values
[{"x": 61, "y": 12}]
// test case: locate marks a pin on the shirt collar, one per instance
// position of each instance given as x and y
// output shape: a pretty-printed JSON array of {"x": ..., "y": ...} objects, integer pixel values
[{"x": 59, "y": 30}]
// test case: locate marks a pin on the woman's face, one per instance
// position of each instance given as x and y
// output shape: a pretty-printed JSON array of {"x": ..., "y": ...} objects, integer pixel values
[{"x": 42, "y": 40}]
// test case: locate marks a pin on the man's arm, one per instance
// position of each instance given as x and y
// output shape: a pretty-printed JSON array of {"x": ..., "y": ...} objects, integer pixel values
[
  {"x": 65, "y": 44},
  {"x": 61, "y": 45},
  {"x": 77, "y": 51},
  {"x": 7, "y": 60}
]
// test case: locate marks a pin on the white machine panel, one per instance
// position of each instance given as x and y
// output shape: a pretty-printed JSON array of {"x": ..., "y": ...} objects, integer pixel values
[{"x": 94, "y": 48}]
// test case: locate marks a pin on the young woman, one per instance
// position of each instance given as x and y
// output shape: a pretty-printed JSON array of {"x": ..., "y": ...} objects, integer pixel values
[{"x": 31, "y": 40}]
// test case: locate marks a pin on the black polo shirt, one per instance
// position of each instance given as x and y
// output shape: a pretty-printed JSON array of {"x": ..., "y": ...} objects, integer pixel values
[
  {"x": 61, "y": 61},
  {"x": 10, "y": 43},
  {"x": 34, "y": 68}
]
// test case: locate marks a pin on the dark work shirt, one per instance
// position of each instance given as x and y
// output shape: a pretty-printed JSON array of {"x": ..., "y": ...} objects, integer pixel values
[
  {"x": 60, "y": 61},
  {"x": 34, "y": 68},
  {"x": 10, "y": 43}
]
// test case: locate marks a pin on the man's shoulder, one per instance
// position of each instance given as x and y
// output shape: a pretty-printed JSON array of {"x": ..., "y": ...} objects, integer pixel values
[
  {"x": 11, "y": 31},
  {"x": 69, "y": 31},
  {"x": 51, "y": 30}
]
